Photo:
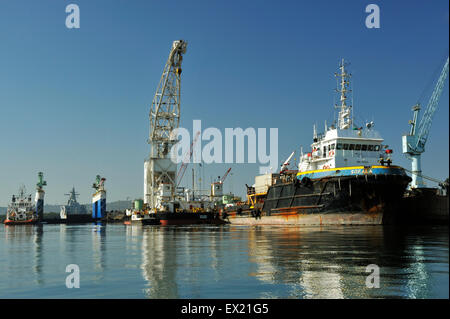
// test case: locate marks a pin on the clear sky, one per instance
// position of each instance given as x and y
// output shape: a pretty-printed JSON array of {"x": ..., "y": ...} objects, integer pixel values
[{"x": 74, "y": 103}]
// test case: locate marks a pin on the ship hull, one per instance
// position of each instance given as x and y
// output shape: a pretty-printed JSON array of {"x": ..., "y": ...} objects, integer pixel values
[
  {"x": 186, "y": 218},
  {"x": 332, "y": 200},
  {"x": 142, "y": 221},
  {"x": 20, "y": 222},
  {"x": 317, "y": 219},
  {"x": 79, "y": 218}
]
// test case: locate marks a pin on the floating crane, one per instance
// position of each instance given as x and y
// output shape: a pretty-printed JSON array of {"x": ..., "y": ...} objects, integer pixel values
[
  {"x": 414, "y": 143},
  {"x": 39, "y": 198},
  {"x": 99, "y": 198},
  {"x": 159, "y": 169}
]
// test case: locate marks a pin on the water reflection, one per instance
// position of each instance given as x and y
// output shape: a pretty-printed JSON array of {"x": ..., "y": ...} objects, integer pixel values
[
  {"x": 38, "y": 255},
  {"x": 99, "y": 250},
  {"x": 121, "y": 261},
  {"x": 330, "y": 262},
  {"x": 309, "y": 263},
  {"x": 159, "y": 263},
  {"x": 29, "y": 262}
]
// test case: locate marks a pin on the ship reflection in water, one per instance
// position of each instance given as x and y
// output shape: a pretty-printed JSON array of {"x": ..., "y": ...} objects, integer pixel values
[{"x": 118, "y": 261}]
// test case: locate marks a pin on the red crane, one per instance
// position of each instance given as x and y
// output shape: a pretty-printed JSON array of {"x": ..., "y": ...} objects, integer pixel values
[{"x": 225, "y": 175}]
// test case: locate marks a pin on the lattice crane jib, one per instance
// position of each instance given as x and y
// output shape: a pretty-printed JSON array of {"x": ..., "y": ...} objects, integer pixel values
[
  {"x": 165, "y": 111},
  {"x": 159, "y": 170}
]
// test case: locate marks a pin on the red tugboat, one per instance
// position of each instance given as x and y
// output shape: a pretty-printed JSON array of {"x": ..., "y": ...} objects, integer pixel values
[{"x": 20, "y": 210}]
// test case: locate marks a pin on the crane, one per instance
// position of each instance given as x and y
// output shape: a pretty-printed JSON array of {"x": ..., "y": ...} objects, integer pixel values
[
  {"x": 285, "y": 165},
  {"x": 224, "y": 176},
  {"x": 186, "y": 160},
  {"x": 159, "y": 169},
  {"x": 413, "y": 144}
]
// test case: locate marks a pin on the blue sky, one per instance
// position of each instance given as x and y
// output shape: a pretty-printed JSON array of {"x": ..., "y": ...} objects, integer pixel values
[{"x": 75, "y": 103}]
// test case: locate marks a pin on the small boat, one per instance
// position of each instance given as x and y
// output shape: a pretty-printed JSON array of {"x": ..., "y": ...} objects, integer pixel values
[{"x": 138, "y": 215}]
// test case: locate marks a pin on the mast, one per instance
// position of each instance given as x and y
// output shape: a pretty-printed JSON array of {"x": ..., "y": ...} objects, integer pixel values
[
  {"x": 345, "y": 114},
  {"x": 72, "y": 196}
]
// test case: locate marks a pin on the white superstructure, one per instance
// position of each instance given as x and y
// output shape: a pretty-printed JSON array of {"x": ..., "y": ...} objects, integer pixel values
[{"x": 344, "y": 144}]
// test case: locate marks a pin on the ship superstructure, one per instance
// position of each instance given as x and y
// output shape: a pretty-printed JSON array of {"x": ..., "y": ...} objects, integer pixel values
[{"x": 344, "y": 144}]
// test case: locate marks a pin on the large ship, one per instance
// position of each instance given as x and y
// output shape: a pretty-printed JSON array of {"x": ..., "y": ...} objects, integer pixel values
[
  {"x": 346, "y": 178},
  {"x": 22, "y": 211},
  {"x": 74, "y": 211}
]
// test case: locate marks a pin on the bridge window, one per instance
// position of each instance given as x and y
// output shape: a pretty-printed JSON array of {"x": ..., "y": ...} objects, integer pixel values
[
  {"x": 364, "y": 147},
  {"x": 370, "y": 148},
  {"x": 357, "y": 147},
  {"x": 339, "y": 146},
  {"x": 345, "y": 146},
  {"x": 351, "y": 147},
  {"x": 376, "y": 148},
  {"x": 332, "y": 146}
]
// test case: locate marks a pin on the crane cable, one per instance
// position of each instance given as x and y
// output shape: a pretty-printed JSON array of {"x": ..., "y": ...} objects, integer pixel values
[{"x": 444, "y": 183}]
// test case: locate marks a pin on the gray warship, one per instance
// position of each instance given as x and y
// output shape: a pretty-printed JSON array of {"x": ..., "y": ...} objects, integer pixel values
[{"x": 74, "y": 211}]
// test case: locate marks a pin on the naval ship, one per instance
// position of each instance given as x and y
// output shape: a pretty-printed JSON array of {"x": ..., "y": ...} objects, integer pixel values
[
  {"x": 73, "y": 211},
  {"x": 346, "y": 178}
]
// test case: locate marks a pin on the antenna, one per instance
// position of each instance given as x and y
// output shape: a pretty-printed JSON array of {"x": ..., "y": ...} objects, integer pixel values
[{"x": 346, "y": 112}]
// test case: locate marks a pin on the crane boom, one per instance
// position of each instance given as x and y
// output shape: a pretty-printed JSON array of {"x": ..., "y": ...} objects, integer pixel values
[
  {"x": 427, "y": 118},
  {"x": 285, "y": 165},
  {"x": 225, "y": 175},
  {"x": 413, "y": 144},
  {"x": 186, "y": 160}
]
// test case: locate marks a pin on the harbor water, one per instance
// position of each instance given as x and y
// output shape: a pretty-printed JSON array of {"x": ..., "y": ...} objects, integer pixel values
[{"x": 128, "y": 261}]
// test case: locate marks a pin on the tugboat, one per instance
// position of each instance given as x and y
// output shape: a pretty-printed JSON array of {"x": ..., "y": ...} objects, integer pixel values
[
  {"x": 21, "y": 210},
  {"x": 347, "y": 178},
  {"x": 73, "y": 212}
]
